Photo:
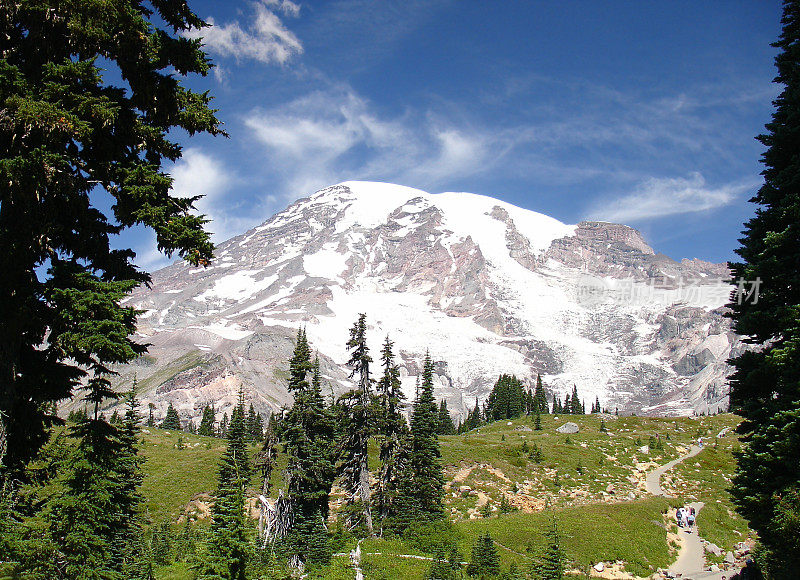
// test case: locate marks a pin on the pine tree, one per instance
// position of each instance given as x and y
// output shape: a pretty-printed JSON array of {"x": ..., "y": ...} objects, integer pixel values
[
  {"x": 237, "y": 442},
  {"x": 540, "y": 398},
  {"x": 223, "y": 427},
  {"x": 96, "y": 522},
  {"x": 207, "y": 422},
  {"x": 171, "y": 420},
  {"x": 446, "y": 426},
  {"x": 308, "y": 433},
  {"x": 254, "y": 426},
  {"x": 151, "y": 422},
  {"x": 69, "y": 130},
  {"x": 358, "y": 426},
  {"x": 229, "y": 548},
  {"x": 764, "y": 385},
  {"x": 537, "y": 422},
  {"x": 484, "y": 562},
  {"x": 550, "y": 566},
  {"x": 421, "y": 486},
  {"x": 392, "y": 430},
  {"x": 556, "y": 405}
]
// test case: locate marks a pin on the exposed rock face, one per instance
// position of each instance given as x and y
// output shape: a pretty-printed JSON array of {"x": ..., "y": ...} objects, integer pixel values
[{"x": 487, "y": 287}]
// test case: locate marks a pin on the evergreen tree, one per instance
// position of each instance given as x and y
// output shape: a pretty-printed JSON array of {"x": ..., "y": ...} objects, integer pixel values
[
  {"x": 308, "y": 432},
  {"x": 69, "y": 129},
  {"x": 550, "y": 566},
  {"x": 172, "y": 420},
  {"x": 237, "y": 442},
  {"x": 421, "y": 486},
  {"x": 537, "y": 422},
  {"x": 358, "y": 426},
  {"x": 207, "y": 422},
  {"x": 95, "y": 523},
  {"x": 540, "y": 398},
  {"x": 556, "y": 405},
  {"x": 392, "y": 430},
  {"x": 229, "y": 547},
  {"x": 255, "y": 428},
  {"x": 764, "y": 385},
  {"x": 446, "y": 426},
  {"x": 223, "y": 427},
  {"x": 151, "y": 422},
  {"x": 507, "y": 398},
  {"x": 566, "y": 407},
  {"x": 484, "y": 562}
]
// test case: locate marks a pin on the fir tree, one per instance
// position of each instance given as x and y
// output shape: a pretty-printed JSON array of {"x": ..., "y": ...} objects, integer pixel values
[
  {"x": 484, "y": 562},
  {"x": 207, "y": 422},
  {"x": 223, "y": 427},
  {"x": 229, "y": 547},
  {"x": 537, "y": 422},
  {"x": 151, "y": 422},
  {"x": 308, "y": 432},
  {"x": 68, "y": 130},
  {"x": 392, "y": 430},
  {"x": 421, "y": 486},
  {"x": 237, "y": 441},
  {"x": 358, "y": 428},
  {"x": 556, "y": 405},
  {"x": 550, "y": 566},
  {"x": 764, "y": 386},
  {"x": 95, "y": 522},
  {"x": 254, "y": 426},
  {"x": 171, "y": 420},
  {"x": 540, "y": 398},
  {"x": 446, "y": 426}
]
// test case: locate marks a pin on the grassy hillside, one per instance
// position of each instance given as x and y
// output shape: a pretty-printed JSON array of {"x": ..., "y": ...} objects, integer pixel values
[{"x": 593, "y": 480}]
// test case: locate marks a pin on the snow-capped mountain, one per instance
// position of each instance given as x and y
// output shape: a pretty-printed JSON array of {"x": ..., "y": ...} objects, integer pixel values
[{"x": 485, "y": 286}]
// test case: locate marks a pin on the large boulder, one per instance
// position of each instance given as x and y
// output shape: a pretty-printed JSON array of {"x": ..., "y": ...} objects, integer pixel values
[{"x": 568, "y": 427}]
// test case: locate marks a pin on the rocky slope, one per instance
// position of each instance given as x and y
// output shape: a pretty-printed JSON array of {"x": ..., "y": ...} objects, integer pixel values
[{"x": 485, "y": 286}]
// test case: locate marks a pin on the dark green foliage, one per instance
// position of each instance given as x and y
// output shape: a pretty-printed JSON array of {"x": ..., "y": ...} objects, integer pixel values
[
  {"x": 540, "y": 398},
  {"x": 67, "y": 132},
  {"x": 550, "y": 565},
  {"x": 765, "y": 386},
  {"x": 392, "y": 432},
  {"x": 557, "y": 407},
  {"x": 603, "y": 428},
  {"x": 223, "y": 427},
  {"x": 254, "y": 425},
  {"x": 445, "y": 567},
  {"x": 308, "y": 434},
  {"x": 421, "y": 482},
  {"x": 229, "y": 548},
  {"x": 505, "y": 505},
  {"x": 171, "y": 420},
  {"x": 536, "y": 455},
  {"x": 151, "y": 422},
  {"x": 358, "y": 426},
  {"x": 161, "y": 544},
  {"x": 537, "y": 422},
  {"x": 446, "y": 426},
  {"x": 474, "y": 418},
  {"x": 207, "y": 422},
  {"x": 484, "y": 561},
  {"x": 507, "y": 399}
]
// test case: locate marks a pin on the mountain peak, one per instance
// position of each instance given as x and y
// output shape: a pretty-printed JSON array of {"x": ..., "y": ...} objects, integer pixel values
[{"x": 486, "y": 286}]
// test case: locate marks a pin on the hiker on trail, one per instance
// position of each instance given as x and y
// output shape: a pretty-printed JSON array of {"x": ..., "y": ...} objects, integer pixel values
[
  {"x": 700, "y": 442},
  {"x": 690, "y": 518},
  {"x": 679, "y": 517}
]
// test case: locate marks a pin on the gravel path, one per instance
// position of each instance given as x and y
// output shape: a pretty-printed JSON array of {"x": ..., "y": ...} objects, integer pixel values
[{"x": 691, "y": 561}]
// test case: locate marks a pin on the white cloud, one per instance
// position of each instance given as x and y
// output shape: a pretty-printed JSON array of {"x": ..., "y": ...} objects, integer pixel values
[
  {"x": 660, "y": 197},
  {"x": 329, "y": 136},
  {"x": 197, "y": 173},
  {"x": 266, "y": 40}
]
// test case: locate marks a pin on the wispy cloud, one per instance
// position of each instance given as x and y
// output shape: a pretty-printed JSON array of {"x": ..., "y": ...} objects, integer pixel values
[
  {"x": 266, "y": 40},
  {"x": 198, "y": 173},
  {"x": 661, "y": 197},
  {"x": 332, "y": 135}
]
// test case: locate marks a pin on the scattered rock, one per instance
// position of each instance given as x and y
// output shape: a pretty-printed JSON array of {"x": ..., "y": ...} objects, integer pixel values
[
  {"x": 599, "y": 567},
  {"x": 464, "y": 489},
  {"x": 568, "y": 427},
  {"x": 644, "y": 449},
  {"x": 729, "y": 558},
  {"x": 611, "y": 489},
  {"x": 523, "y": 428},
  {"x": 714, "y": 549},
  {"x": 631, "y": 495},
  {"x": 509, "y": 423},
  {"x": 714, "y": 568}
]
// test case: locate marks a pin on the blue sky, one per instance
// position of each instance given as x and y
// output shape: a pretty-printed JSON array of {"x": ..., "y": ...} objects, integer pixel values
[{"x": 638, "y": 112}]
